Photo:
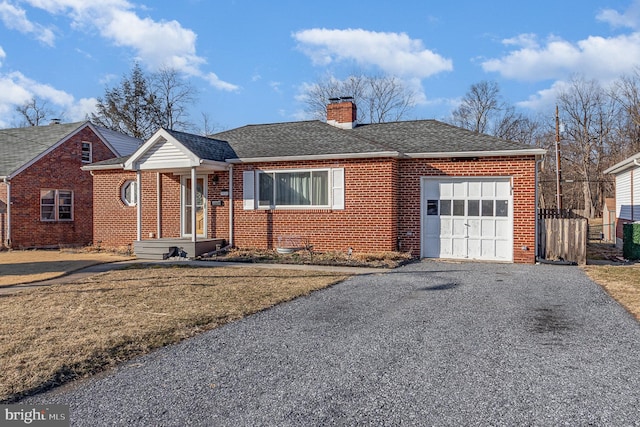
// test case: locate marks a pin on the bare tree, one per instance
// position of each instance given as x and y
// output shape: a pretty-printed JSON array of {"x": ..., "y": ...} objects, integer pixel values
[
  {"x": 479, "y": 106},
  {"x": 34, "y": 112},
  {"x": 626, "y": 91},
  {"x": 141, "y": 103},
  {"x": 173, "y": 95},
  {"x": 588, "y": 114},
  {"x": 379, "y": 98}
]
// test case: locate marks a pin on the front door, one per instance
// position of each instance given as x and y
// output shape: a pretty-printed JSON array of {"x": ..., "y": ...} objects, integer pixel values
[{"x": 201, "y": 207}]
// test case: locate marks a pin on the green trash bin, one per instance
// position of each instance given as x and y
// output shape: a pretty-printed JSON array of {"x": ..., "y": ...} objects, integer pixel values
[{"x": 631, "y": 241}]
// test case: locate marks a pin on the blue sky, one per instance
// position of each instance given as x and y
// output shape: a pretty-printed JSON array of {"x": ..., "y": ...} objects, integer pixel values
[{"x": 251, "y": 60}]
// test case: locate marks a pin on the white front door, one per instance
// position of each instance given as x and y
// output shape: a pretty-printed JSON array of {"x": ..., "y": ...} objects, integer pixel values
[
  {"x": 467, "y": 218},
  {"x": 201, "y": 206}
]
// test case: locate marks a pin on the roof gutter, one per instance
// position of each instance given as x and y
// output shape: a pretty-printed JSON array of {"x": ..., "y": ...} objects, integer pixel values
[
  {"x": 103, "y": 167},
  {"x": 316, "y": 157},
  {"x": 497, "y": 153}
]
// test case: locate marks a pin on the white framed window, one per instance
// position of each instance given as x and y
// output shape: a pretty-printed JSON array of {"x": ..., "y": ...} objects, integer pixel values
[
  {"x": 129, "y": 192},
  {"x": 299, "y": 188},
  {"x": 87, "y": 152},
  {"x": 56, "y": 205}
]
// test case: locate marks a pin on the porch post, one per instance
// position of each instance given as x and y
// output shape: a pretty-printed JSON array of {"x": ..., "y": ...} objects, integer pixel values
[
  {"x": 194, "y": 232},
  {"x": 139, "y": 204},
  {"x": 159, "y": 205}
]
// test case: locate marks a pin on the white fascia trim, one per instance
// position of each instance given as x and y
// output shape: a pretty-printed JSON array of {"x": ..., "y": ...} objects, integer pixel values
[
  {"x": 215, "y": 165},
  {"x": 623, "y": 165},
  {"x": 102, "y": 167},
  {"x": 447, "y": 154},
  {"x": 380, "y": 154}
]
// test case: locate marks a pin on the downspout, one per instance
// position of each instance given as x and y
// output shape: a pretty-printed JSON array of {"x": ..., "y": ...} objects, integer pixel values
[
  {"x": 231, "y": 205},
  {"x": 536, "y": 228},
  {"x": 8, "y": 236}
]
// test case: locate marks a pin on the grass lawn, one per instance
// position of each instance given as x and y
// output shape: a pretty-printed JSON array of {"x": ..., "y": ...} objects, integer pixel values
[
  {"x": 30, "y": 266},
  {"x": 622, "y": 282},
  {"x": 52, "y": 335}
]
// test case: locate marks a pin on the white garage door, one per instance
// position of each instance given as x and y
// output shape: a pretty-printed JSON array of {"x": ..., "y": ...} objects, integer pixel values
[{"x": 467, "y": 218}]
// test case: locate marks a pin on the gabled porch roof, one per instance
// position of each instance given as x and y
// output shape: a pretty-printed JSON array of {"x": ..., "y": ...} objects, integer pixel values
[{"x": 176, "y": 151}]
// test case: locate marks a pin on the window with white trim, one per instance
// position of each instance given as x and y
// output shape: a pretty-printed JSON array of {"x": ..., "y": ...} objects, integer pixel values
[
  {"x": 299, "y": 188},
  {"x": 129, "y": 192},
  {"x": 56, "y": 205},
  {"x": 87, "y": 152}
]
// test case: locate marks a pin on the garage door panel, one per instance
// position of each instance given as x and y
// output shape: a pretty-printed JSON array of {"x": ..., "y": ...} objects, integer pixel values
[
  {"x": 503, "y": 189},
  {"x": 475, "y": 228},
  {"x": 474, "y": 248},
  {"x": 459, "y": 248},
  {"x": 503, "y": 229},
  {"x": 503, "y": 247},
  {"x": 488, "y": 228},
  {"x": 459, "y": 227},
  {"x": 446, "y": 248}
]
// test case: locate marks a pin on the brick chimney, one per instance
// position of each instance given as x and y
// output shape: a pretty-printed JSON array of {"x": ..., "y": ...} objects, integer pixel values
[{"x": 342, "y": 112}]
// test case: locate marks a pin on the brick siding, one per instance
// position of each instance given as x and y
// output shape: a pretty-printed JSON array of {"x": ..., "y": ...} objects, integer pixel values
[
  {"x": 58, "y": 170},
  {"x": 382, "y": 205}
]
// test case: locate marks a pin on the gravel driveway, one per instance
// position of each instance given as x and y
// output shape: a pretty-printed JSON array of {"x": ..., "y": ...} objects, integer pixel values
[{"x": 432, "y": 343}]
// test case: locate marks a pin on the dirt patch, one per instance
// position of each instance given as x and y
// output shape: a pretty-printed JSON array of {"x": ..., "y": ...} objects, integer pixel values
[
  {"x": 27, "y": 266},
  {"x": 310, "y": 257}
]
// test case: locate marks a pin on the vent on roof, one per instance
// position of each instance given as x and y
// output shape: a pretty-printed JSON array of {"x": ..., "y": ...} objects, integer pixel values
[{"x": 55, "y": 121}]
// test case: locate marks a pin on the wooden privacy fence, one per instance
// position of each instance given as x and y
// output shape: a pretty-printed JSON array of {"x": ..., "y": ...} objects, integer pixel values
[{"x": 563, "y": 239}]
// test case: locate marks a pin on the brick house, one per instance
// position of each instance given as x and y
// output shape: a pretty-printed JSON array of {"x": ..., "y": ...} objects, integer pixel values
[
  {"x": 46, "y": 200},
  {"x": 421, "y": 186},
  {"x": 627, "y": 199}
]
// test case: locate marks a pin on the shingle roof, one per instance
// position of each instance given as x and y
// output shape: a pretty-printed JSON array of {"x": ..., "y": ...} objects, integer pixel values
[
  {"x": 432, "y": 136},
  {"x": 204, "y": 147},
  {"x": 20, "y": 145},
  {"x": 306, "y": 138},
  {"x": 124, "y": 145},
  {"x": 316, "y": 138},
  {"x": 312, "y": 138}
]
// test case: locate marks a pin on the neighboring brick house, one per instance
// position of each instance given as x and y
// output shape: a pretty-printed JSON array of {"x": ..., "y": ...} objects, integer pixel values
[
  {"x": 46, "y": 199},
  {"x": 421, "y": 186},
  {"x": 627, "y": 200}
]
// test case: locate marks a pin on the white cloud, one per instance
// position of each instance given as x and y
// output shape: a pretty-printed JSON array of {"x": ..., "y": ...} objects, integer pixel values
[
  {"x": 595, "y": 57},
  {"x": 545, "y": 99},
  {"x": 16, "y": 89},
  {"x": 394, "y": 53},
  {"x": 16, "y": 19},
  {"x": 629, "y": 19},
  {"x": 156, "y": 44},
  {"x": 214, "y": 81},
  {"x": 2, "y": 55}
]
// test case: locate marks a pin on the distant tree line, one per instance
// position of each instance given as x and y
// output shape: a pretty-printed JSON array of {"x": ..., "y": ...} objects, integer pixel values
[{"x": 600, "y": 126}]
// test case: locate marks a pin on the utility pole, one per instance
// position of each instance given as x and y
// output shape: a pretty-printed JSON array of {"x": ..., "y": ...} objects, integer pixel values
[{"x": 558, "y": 168}]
